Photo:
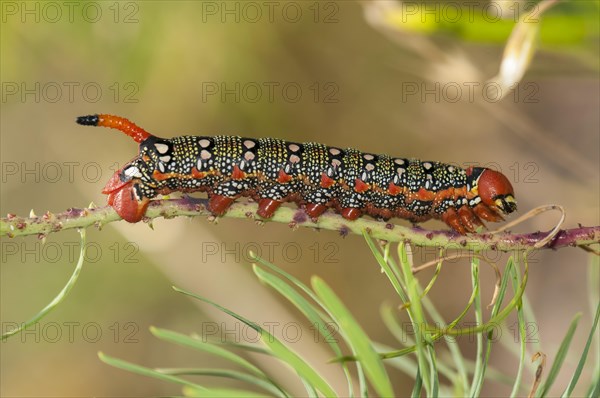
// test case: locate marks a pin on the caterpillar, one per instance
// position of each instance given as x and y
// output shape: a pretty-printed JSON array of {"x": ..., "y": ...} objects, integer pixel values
[{"x": 315, "y": 176}]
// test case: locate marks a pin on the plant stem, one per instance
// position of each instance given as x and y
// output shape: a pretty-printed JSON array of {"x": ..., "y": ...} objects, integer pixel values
[{"x": 12, "y": 226}]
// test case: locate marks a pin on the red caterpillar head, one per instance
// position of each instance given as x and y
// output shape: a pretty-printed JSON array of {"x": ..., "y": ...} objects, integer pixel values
[
  {"x": 123, "y": 189},
  {"x": 493, "y": 188}
]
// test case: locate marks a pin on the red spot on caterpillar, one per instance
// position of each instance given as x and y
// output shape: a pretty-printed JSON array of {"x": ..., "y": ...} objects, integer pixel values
[
  {"x": 425, "y": 195},
  {"x": 237, "y": 174},
  {"x": 158, "y": 176},
  {"x": 360, "y": 186},
  {"x": 314, "y": 210},
  {"x": 217, "y": 204},
  {"x": 351, "y": 213},
  {"x": 266, "y": 207},
  {"x": 283, "y": 177},
  {"x": 394, "y": 189},
  {"x": 326, "y": 181},
  {"x": 198, "y": 174},
  {"x": 115, "y": 122}
]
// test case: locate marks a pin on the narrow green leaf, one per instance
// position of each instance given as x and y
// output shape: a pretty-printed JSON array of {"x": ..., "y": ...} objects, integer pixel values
[
  {"x": 245, "y": 347},
  {"x": 309, "y": 311},
  {"x": 479, "y": 367},
  {"x": 583, "y": 358},
  {"x": 302, "y": 304},
  {"x": 417, "y": 317},
  {"x": 496, "y": 320},
  {"x": 406, "y": 364},
  {"x": 435, "y": 386},
  {"x": 594, "y": 390},
  {"x": 306, "y": 371},
  {"x": 220, "y": 393},
  {"x": 385, "y": 266},
  {"x": 560, "y": 357},
  {"x": 462, "y": 382},
  {"x": 263, "y": 383},
  {"x": 388, "y": 314},
  {"x": 357, "y": 339},
  {"x": 289, "y": 277},
  {"x": 187, "y": 341},
  {"x": 59, "y": 297},
  {"x": 511, "y": 270},
  {"x": 594, "y": 298},
  {"x": 141, "y": 370},
  {"x": 416, "y": 391},
  {"x": 285, "y": 354}
]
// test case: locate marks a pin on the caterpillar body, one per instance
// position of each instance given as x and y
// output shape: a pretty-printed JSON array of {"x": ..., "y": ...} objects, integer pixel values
[{"x": 315, "y": 176}]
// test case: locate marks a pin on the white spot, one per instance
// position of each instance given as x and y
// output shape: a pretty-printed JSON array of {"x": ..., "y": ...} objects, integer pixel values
[
  {"x": 165, "y": 158},
  {"x": 249, "y": 144},
  {"x": 370, "y": 166},
  {"x": 204, "y": 154},
  {"x": 161, "y": 167},
  {"x": 161, "y": 148},
  {"x": 400, "y": 162},
  {"x": 451, "y": 169},
  {"x": 400, "y": 171},
  {"x": 336, "y": 162},
  {"x": 249, "y": 156},
  {"x": 132, "y": 172},
  {"x": 427, "y": 165},
  {"x": 204, "y": 143},
  {"x": 242, "y": 165},
  {"x": 293, "y": 147},
  {"x": 294, "y": 159},
  {"x": 368, "y": 156},
  {"x": 334, "y": 151}
]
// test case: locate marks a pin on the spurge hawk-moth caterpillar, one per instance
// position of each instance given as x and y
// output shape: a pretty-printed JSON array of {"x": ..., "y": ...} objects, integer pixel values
[{"x": 315, "y": 176}]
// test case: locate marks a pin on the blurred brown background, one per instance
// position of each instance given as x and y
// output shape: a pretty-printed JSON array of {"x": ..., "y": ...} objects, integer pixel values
[{"x": 336, "y": 77}]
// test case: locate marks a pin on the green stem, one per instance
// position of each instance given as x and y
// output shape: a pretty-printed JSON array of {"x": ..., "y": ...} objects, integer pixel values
[{"x": 12, "y": 226}]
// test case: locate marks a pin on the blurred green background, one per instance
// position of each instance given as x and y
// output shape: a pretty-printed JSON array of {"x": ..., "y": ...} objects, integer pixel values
[{"x": 341, "y": 73}]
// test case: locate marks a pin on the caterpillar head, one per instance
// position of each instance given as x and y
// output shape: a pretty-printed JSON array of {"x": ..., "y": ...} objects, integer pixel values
[{"x": 493, "y": 188}]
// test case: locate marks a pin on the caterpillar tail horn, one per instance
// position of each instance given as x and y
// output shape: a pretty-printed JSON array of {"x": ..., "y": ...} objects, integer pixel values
[{"x": 115, "y": 122}]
